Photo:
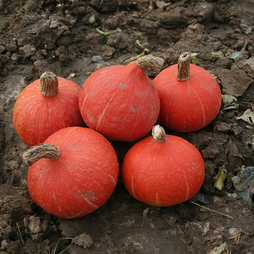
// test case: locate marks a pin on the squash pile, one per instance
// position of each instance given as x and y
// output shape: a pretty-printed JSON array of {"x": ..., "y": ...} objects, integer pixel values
[{"x": 73, "y": 166}]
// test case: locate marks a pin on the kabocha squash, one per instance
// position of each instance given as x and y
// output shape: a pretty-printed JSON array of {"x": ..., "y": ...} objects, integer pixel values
[
  {"x": 190, "y": 96},
  {"x": 45, "y": 106},
  {"x": 72, "y": 173},
  {"x": 163, "y": 170},
  {"x": 121, "y": 101}
]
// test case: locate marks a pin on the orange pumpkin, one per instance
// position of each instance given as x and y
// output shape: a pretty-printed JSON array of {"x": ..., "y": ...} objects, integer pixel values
[
  {"x": 190, "y": 96},
  {"x": 45, "y": 106},
  {"x": 73, "y": 173},
  {"x": 121, "y": 101},
  {"x": 163, "y": 170}
]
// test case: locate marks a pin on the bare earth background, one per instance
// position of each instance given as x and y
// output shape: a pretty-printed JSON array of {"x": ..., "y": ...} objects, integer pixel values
[{"x": 61, "y": 36}]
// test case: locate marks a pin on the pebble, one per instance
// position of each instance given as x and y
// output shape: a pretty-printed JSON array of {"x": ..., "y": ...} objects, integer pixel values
[{"x": 11, "y": 47}]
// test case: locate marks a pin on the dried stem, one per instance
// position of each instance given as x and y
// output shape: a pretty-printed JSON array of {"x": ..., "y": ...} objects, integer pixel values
[
  {"x": 155, "y": 63},
  {"x": 159, "y": 134},
  {"x": 48, "y": 84},
  {"x": 40, "y": 151},
  {"x": 184, "y": 66}
]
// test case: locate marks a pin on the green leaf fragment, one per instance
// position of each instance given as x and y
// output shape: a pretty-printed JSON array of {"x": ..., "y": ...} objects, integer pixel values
[
  {"x": 236, "y": 55},
  {"x": 245, "y": 194},
  {"x": 219, "y": 184},
  {"x": 245, "y": 27},
  {"x": 244, "y": 184},
  {"x": 109, "y": 32}
]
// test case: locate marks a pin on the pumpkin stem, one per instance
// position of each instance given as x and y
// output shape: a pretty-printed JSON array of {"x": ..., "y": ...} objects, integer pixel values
[
  {"x": 40, "y": 151},
  {"x": 184, "y": 66},
  {"x": 155, "y": 63},
  {"x": 48, "y": 84},
  {"x": 159, "y": 134}
]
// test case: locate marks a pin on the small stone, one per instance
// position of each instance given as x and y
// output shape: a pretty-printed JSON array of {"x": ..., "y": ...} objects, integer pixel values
[
  {"x": 11, "y": 47},
  {"x": 4, "y": 243},
  {"x": 13, "y": 247},
  {"x": 55, "y": 23},
  {"x": 34, "y": 225},
  {"x": 83, "y": 240},
  {"x": 205, "y": 11},
  {"x": 64, "y": 41},
  {"x": 97, "y": 59},
  {"x": 217, "y": 17},
  {"x": 14, "y": 57},
  {"x": 107, "y": 52},
  {"x": 161, "y": 4},
  {"x": 2, "y": 49},
  {"x": 210, "y": 151},
  {"x": 28, "y": 50},
  {"x": 64, "y": 59},
  {"x": 37, "y": 237},
  {"x": 222, "y": 127},
  {"x": 37, "y": 56},
  {"x": 237, "y": 130}
]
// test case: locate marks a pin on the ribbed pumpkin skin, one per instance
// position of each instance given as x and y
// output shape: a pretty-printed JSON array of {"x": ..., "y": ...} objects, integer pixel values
[
  {"x": 120, "y": 102},
  {"x": 36, "y": 117},
  {"x": 187, "y": 106},
  {"x": 81, "y": 180},
  {"x": 163, "y": 174}
]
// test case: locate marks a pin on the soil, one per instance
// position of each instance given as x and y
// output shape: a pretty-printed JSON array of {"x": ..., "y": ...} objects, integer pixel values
[{"x": 63, "y": 37}]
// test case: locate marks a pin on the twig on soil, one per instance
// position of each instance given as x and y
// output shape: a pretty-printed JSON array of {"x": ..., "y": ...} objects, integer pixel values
[
  {"x": 212, "y": 210},
  {"x": 109, "y": 32},
  {"x": 139, "y": 44},
  {"x": 245, "y": 45},
  {"x": 134, "y": 58},
  {"x": 20, "y": 235},
  {"x": 54, "y": 251},
  {"x": 237, "y": 236}
]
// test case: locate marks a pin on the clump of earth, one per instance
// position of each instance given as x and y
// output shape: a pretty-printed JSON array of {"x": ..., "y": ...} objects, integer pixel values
[{"x": 74, "y": 38}]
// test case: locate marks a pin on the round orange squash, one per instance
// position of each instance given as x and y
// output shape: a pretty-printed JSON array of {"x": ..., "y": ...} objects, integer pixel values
[
  {"x": 45, "y": 106},
  {"x": 190, "y": 96},
  {"x": 73, "y": 173},
  {"x": 163, "y": 170},
  {"x": 121, "y": 101}
]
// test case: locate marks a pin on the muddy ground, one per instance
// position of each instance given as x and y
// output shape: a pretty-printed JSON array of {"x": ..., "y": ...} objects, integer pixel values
[{"x": 63, "y": 37}]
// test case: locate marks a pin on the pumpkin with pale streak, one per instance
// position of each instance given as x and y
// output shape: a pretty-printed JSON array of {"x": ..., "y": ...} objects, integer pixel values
[
  {"x": 121, "y": 101},
  {"x": 73, "y": 173},
  {"x": 190, "y": 96}
]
